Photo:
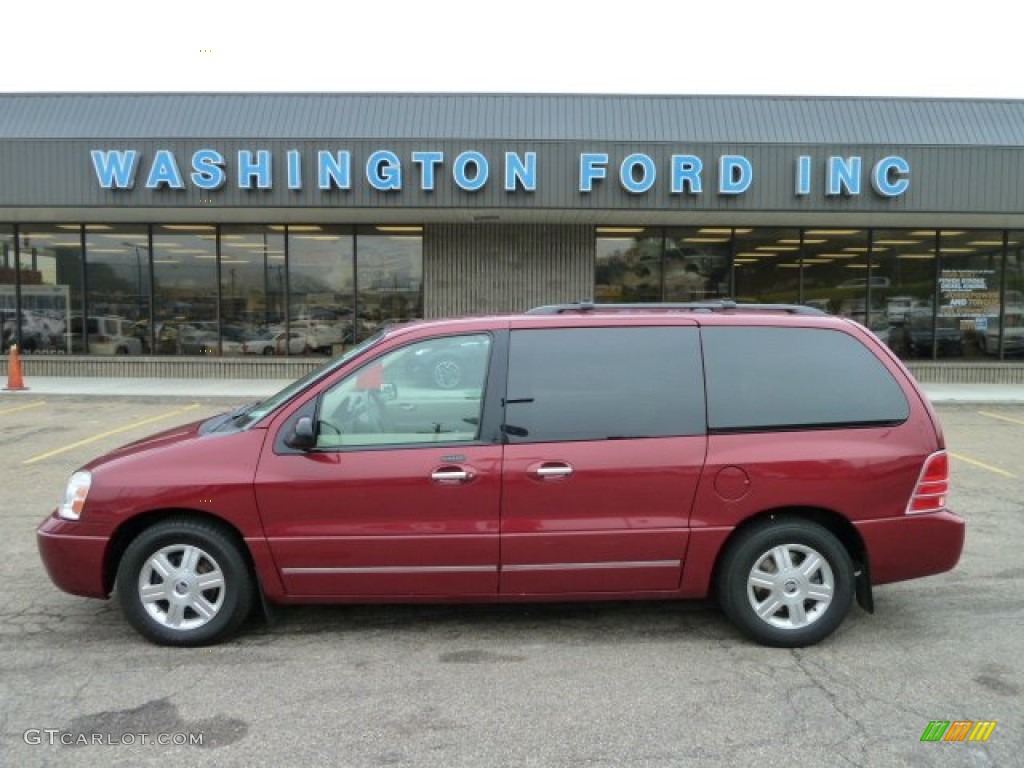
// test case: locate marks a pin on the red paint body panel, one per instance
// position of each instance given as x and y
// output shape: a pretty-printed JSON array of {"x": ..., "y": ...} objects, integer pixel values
[
  {"x": 73, "y": 559},
  {"x": 326, "y": 514},
  {"x": 623, "y": 508},
  {"x": 911, "y": 546}
]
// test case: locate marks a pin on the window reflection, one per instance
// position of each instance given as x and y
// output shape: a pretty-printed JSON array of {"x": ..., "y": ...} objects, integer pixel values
[
  {"x": 697, "y": 264},
  {"x": 321, "y": 260},
  {"x": 768, "y": 266},
  {"x": 629, "y": 265},
  {"x": 251, "y": 295},
  {"x": 389, "y": 260},
  {"x": 117, "y": 276},
  {"x": 185, "y": 289},
  {"x": 8, "y": 306},
  {"x": 50, "y": 271}
]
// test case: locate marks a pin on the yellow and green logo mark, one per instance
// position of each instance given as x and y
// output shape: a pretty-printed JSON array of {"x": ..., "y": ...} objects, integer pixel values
[{"x": 958, "y": 730}]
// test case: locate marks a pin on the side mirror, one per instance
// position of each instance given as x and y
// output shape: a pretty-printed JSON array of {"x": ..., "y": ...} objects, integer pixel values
[
  {"x": 303, "y": 437},
  {"x": 389, "y": 391}
]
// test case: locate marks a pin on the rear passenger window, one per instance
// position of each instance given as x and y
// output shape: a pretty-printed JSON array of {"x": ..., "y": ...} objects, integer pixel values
[
  {"x": 604, "y": 384},
  {"x": 797, "y": 378}
]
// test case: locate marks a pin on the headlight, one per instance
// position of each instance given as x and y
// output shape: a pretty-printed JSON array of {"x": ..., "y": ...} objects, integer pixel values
[{"x": 74, "y": 496}]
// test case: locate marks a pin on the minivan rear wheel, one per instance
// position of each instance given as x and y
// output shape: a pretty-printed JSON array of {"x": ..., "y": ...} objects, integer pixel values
[
  {"x": 184, "y": 582},
  {"x": 786, "y": 583}
]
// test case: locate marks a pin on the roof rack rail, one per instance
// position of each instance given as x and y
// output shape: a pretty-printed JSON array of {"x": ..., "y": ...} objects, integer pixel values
[{"x": 722, "y": 305}]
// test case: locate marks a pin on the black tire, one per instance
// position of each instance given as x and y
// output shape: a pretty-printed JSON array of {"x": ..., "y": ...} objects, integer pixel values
[
  {"x": 174, "y": 598},
  {"x": 268, "y": 350},
  {"x": 804, "y": 599}
]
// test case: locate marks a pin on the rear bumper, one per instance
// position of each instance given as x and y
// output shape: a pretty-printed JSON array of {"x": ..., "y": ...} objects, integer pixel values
[
  {"x": 73, "y": 561},
  {"x": 909, "y": 547}
]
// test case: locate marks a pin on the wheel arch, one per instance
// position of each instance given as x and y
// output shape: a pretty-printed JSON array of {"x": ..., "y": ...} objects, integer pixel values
[
  {"x": 835, "y": 523},
  {"x": 131, "y": 528}
]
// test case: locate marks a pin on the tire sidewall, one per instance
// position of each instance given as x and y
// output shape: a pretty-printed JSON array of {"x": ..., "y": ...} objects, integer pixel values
[
  {"x": 749, "y": 547},
  {"x": 238, "y": 584}
]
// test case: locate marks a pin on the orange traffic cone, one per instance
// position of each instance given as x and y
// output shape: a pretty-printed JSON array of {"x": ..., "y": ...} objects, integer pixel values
[{"x": 14, "y": 381}]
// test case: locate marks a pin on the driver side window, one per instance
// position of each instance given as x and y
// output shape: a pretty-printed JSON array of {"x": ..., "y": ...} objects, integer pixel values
[{"x": 427, "y": 392}]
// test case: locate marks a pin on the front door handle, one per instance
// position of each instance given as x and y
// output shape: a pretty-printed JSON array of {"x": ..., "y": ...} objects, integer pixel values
[
  {"x": 451, "y": 475},
  {"x": 553, "y": 471}
]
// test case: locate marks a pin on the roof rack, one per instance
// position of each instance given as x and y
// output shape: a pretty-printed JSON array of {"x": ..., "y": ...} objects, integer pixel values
[{"x": 723, "y": 305}]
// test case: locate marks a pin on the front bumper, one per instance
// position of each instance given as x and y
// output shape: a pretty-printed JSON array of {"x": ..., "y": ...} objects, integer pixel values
[
  {"x": 73, "y": 558},
  {"x": 912, "y": 546}
]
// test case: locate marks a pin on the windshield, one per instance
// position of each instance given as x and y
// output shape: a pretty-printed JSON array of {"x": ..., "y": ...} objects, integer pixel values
[{"x": 251, "y": 414}]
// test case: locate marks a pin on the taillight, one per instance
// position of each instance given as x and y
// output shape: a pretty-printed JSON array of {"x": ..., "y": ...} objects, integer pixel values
[{"x": 932, "y": 487}]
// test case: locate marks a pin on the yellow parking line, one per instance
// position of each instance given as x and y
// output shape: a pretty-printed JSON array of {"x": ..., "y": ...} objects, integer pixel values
[
  {"x": 102, "y": 435},
  {"x": 1000, "y": 416},
  {"x": 17, "y": 408},
  {"x": 977, "y": 463}
]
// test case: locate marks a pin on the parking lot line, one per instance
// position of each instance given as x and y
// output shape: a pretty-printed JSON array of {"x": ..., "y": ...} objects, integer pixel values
[
  {"x": 1000, "y": 416},
  {"x": 108, "y": 433},
  {"x": 25, "y": 407},
  {"x": 981, "y": 464}
]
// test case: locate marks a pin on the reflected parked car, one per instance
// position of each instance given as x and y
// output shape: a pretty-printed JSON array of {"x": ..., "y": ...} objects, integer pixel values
[
  {"x": 1013, "y": 338},
  {"x": 948, "y": 340},
  {"x": 269, "y": 343}
]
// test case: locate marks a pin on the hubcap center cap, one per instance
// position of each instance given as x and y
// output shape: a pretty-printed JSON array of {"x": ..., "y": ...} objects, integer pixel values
[
  {"x": 791, "y": 587},
  {"x": 182, "y": 587}
]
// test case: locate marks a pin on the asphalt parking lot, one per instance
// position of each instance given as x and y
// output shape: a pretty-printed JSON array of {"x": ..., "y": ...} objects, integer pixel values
[{"x": 645, "y": 684}]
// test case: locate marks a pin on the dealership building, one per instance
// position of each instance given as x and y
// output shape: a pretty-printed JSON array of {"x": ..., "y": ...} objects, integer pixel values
[{"x": 217, "y": 233}]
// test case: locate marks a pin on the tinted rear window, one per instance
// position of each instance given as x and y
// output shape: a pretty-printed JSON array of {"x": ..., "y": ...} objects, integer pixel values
[
  {"x": 760, "y": 378},
  {"x": 604, "y": 384}
]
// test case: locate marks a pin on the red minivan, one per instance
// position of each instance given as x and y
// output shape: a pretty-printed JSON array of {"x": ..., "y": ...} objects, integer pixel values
[{"x": 779, "y": 458}]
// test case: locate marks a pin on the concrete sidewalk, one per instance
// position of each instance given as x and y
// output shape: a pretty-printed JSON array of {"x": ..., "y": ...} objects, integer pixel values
[{"x": 251, "y": 389}]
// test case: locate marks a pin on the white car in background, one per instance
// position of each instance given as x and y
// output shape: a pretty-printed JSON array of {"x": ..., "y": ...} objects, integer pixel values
[
  {"x": 271, "y": 343},
  {"x": 111, "y": 335}
]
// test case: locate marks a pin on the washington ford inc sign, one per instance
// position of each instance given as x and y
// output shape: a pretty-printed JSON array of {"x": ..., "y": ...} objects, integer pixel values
[{"x": 471, "y": 170}]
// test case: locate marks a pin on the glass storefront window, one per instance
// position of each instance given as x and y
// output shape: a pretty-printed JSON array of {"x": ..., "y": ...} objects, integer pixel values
[
  {"x": 118, "y": 285},
  {"x": 970, "y": 270},
  {"x": 251, "y": 292},
  {"x": 321, "y": 281},
  {"x": 767, "y": 265},
  {"x": 1010, "y": 343},
  {"x": 50, "y": 270},
  {"x": 185, "y": 289},
  {"x": 902, "y": 288},
  {"x": 8, "y": 287},
  {"x": 697, "y": 264},
  {"x": 629, "y": 265},
  {"x": 389, "y": 264},
  {"x": 835, "y": 269}
]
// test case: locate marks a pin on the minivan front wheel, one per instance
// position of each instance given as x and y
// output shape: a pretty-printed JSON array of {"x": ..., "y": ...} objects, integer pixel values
[
  {"x": 184, "y": 582},
  {"x": 786, "y": 583}
]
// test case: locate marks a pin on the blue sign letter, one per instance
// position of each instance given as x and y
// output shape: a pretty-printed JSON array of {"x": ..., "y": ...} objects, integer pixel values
[
  {"x": 294, "y": 169},
  {"x": 427, "y": 161},
  {"x": 208, "y": 169},
  {"x": 164, "y": 171},
  {"x": 482, "y": 170},
  {"x": 648, "y": 173},
  {"x": 735, "y": 175},
  {"x": 803, "y": 175},
  {"x": 521, "y": 172},
  {"x": 115, "y": 169},
  {"x": 384, "y": 171},
  {"x": 592, "y": 166},
  {"x": 333, "y": 170},
  {"x": 889, "y": 176},
  {"x": 686, "y": 173},
  {"x": 248, "y": 169},
  {"x": 843, "y": 176}
]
